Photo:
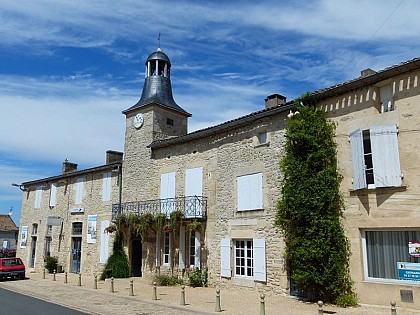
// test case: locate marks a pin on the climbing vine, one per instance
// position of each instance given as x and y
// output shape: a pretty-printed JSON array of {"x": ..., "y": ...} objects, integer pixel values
[{"x": 309, "y": 213}]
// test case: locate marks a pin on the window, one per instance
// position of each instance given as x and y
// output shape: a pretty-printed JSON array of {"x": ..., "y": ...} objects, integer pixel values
[
  {"x": 194, "y": 250},
  {"x": 106, "y": 186},
  {"x": 244, "y": 260},
  {"x": 167, "y": 192},
  {"x": 53, "y": 192},
  {"x": 262, "y": 137},
  {"x": 249, "y": 192},
  {"x": 77, "y": 228},
  {"x": 48, "y": 246},
  {"x": 49, "y": 229},
  {"x": 34, "y": 229},
  {"x": 169, "y": 121},
  {"x": 79, "y": 191},
  {"x": 375, "y": 157},
  {"x": 384, "y": 249},
  {"x": 249, "y": 259},
  {"x": 193, "y": 192},
  {"x": 167, "y": 248},
  {"x": 387, "y": 102},
  {"x": 38, "y": 197}
]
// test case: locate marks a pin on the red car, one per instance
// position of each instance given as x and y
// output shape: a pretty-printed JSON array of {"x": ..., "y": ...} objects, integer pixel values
[{"x": 12, "y": 267}]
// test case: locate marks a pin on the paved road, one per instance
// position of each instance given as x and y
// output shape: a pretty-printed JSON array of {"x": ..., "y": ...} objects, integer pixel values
[{"x": 15, "y": 303}]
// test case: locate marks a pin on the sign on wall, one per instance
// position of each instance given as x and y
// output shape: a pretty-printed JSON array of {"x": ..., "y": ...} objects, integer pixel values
[
  {"x": 24, "y": 237},
  {"x": 408, "y": 271},
  {"x": 414, "y": 249},
  {"x": 91, "y": 228}
]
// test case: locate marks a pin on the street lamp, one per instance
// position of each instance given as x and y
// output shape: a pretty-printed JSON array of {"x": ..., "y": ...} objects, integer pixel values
[{"x": 21, "y": 187}]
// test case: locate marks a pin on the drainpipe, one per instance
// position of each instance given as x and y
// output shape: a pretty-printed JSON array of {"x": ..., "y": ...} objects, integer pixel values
[{"x": 120, "y": 187}]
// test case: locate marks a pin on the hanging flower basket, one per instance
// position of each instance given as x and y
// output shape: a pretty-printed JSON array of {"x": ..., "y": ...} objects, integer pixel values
[{"x": 168, "y": 229}]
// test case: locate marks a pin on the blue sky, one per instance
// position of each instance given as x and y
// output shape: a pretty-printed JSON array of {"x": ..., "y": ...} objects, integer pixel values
[{"x": 68, "y": 68}]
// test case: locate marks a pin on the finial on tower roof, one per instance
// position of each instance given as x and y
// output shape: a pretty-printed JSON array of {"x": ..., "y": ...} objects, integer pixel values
[{"x": 158, "y": 42}]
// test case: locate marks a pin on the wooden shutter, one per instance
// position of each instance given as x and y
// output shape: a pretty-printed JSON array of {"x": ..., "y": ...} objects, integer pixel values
[
  {"x": 182, "y": 247},
  {"x": 256, "y": 191},
  {"x": 158, "y": 254},
  {"x": 225, "y": 253},
  {"x": 104, "y": 254},
  {"x": 79, "y": 191},
  {"x": 260, "y": 273},
  {"x": 194, "y": 187},
  {"x": 385, "y": 156},
  {"x": 38, "y": 197},
  {"x": 106, "y": 186},
  {"x": 197, "y": 250},
  {"x": 53, "y": 193},
  {"x": 167, "y": 191},
  {"x": 357, "y": 158},
  {"x": 249, "y": 192}
]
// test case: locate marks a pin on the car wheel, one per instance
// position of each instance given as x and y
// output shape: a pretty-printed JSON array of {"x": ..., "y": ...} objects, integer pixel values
[{"x": 22, "y": 277}]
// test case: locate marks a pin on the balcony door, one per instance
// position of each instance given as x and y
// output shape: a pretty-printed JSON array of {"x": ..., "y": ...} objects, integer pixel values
[
  {"x": 193, "y": 192},
  {"x": 167, "y": 193}
]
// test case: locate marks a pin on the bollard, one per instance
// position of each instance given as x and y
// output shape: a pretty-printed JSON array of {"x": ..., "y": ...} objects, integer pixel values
[
  {"x": 393, "y": 308},
  {"x": 54, "y": 275},
  {"x": 79, "y": 283},
  {"x": 217, "y": 308},
  {"x": 182, "y": 295},
  {"x": 95, "y": 282},
  {"x": 65, "y": 277},
  {"x": 112, "y": 285},
  {"x": 43, "y": 273},
  {"x": 131, "y": 288},
  {"x": 154, "y": 296},
  {"x": 320, "y": 308},
  {"x": 262, "y": 304}
]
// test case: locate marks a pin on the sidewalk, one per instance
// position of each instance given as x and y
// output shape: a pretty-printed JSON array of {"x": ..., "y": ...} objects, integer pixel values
[{"x": 199, "y": 300}]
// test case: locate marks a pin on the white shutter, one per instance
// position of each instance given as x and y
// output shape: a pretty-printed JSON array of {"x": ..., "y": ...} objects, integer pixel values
[
  {"x": 38, "y": 197},
  {"x": 158, "y": 249},
  {"x": 182, "y": 247},
  {"x": 106, "y": 186},
  {"x": 249, "y": 192},
  {"x": 167, "y": 191},
  {"x": 256, "y": 191},
  {"x": 104, "y": 254},
  {"x": 79, "y": 191},
  {"x": 260, "y": 273},
  {"x": 243, "y": 192},
  {"x": 385, "y": 156},
  {"x": 194, "y": 187},
  {"x": 170, "y": 249},
  {"x": 225, "y": 268},
  {"x": 357, "y": 157},
  {"x": 197, "y": 250},
  {"x": 53, "y": 193}
]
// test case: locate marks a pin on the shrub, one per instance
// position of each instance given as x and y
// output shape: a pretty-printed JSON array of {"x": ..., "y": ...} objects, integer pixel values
[
  {"x": 118, "y": 262},
  {"x": 167, "y": 280},
  {"x": 51, "y": 263},
  {"x": 346, "y": 300},
  {"x": 198, "y": 278}
]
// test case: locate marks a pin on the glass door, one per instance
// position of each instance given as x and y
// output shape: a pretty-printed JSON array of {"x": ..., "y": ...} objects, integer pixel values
[{"x": 76, "y": 254}]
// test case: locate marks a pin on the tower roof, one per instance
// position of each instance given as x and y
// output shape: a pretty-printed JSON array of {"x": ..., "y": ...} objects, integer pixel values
[{"x": 157, "y": 88}]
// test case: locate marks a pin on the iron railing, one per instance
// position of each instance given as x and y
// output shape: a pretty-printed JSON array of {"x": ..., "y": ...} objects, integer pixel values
[{"x": 193, "y": 207}]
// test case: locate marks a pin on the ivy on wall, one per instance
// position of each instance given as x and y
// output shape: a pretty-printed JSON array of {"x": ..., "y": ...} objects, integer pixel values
[{"x": 309, "y": 213}]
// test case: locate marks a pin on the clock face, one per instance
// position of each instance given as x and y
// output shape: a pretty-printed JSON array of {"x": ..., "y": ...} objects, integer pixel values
[{"x": 138, "y": 120}]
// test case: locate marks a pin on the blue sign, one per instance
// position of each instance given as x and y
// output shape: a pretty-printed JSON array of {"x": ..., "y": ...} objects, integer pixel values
[{"x": 408, "y": 271}]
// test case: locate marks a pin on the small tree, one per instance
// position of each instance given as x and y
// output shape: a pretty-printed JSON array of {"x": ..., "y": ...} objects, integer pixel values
[{"x": 309, "y": 212}]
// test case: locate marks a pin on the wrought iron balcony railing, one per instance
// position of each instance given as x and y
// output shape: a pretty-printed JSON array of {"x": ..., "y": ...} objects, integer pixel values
[{"x": 194, "y": 207}]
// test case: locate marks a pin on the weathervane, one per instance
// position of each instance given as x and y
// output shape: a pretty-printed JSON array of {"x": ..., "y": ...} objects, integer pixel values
[{"x": 158, "y": 41}]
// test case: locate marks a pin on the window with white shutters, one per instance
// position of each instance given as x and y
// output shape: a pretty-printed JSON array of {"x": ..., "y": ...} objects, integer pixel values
[
  {"x": 167, "y": 192},
  {"x": 38, "y": 197},
  {"x": 79, "y": 191},
  {"x": 53, "y": 192},
  {"x": 249, "y": 189},
  {"x": 375, "y": 157},
  {"x": 106, "y": 186},
  {"x": 104, "y": 253}
]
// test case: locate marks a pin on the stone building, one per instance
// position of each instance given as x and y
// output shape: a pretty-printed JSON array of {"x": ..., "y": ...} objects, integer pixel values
[
  {"x": 65, "y": 216},
  {"x": 227, "y": 178},
  {"x": 8, "y": 231}
]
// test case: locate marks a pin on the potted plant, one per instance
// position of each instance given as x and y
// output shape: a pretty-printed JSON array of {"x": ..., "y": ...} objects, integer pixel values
[{"x": 194, "y": 226}]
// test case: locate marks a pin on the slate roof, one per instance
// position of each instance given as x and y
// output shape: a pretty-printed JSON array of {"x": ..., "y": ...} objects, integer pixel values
[{"x": 7, "y": 224}]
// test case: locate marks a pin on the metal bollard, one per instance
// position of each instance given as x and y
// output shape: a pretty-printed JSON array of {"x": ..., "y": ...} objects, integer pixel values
[
  {"x": 112, "y": 285},
  {"x": 320, "y": 308},
  {"x": 182, "y": 295},
  {"x": 79, "y": 282},
  {"x": 217, "y": 308},
  {"x": 262, "y": 304},
  {"x": 65, "y": 277},
  {"x": 54, "y": 275},
  {"x": 393, "y": 308},
  {"x": 43, "y": 273},
  {"x": 95, "y": 282},
  {"x": 154, "y": 296},
  {"x": 131, "y": 288}
]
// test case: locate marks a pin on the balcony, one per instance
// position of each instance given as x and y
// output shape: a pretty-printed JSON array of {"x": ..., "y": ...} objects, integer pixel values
[{"x": 193, "y": 207}]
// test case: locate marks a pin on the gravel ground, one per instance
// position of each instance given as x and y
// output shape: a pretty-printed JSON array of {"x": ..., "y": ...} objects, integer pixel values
[{"x": 198, "y": 300}]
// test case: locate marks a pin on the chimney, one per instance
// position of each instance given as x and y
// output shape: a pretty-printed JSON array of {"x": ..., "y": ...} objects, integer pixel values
[
  {"x": 367, "y": 72},
  {"x": 113, "y": 156},
  {"x": 69, "y": 167},
  {"x": 274, "y": 100}
]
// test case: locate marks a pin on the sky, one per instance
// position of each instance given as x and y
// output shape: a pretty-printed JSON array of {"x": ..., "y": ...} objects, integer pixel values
[{"x": 69, "y": 68}]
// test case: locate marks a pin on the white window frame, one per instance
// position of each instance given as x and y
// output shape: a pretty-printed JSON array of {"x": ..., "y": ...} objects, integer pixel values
[
  {"x": 79, "y": 191},
  {"x": 167, "y": 248},
  {"x": 249, "y": 192},
  {"x": 38, "y": 197},
  {"x": 385, "y": 157},
  {"x": 106, "y": 186},
  {"x": 53, "y": 194},
  {"x": 263, "y": 137}
]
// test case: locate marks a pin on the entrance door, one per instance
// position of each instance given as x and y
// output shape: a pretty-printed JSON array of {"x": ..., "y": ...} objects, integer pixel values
[
  {"x": 33, "y": 251},
  {"x": 76, "y": 254},
  {"x": 136, "y": 257}
]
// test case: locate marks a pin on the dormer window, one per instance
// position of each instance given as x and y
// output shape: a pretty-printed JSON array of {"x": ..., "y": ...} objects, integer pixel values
[{"x": 386, "y": 98}]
